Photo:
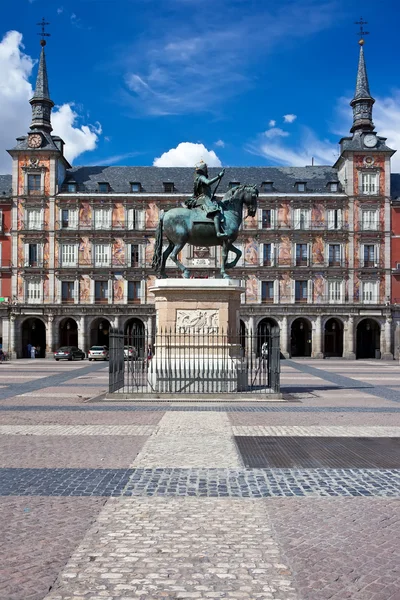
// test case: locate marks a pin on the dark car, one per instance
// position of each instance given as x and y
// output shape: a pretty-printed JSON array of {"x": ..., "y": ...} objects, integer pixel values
[{"x": 69, "y": 353}]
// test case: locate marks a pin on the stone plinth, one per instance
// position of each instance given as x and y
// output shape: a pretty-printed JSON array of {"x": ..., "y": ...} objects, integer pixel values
[{"x": 196, "y": 344}]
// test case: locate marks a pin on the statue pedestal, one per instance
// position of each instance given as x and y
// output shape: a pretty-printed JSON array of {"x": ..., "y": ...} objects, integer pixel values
[{"x": 197, "y": 345}]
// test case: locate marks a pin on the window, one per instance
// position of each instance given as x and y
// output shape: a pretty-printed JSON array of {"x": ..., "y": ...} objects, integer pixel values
[
  {"x": 102, "y": 218},
  {"x": 334, "y": 186},
  {"x": 302, "y": 253},
  {"x": 302, "y": 218},
  {"x": 68, "y": 292},
  {"x": 34, "y": 292},
  {"x": 233, "y": 184},
  {"x": 135, "y": 218},
  {"x": 370, "y": 292},
  {"x": 268, "y": 255},
  {"x": 102, "y": 255},
  {"x": 335, "y": 291},
  {"x": 69, "y": 255},
  {"x": 134, "y": 256},
  {"x": 71, "y": 188},
  {"x": 267, "y": 292},
  {"x": 267, "y": 186},
  {"x": 136, "y": 186},
  {"x": 134, "y": 292},
  {"x": 369, "y": 220},
  {"x": 101, "y": 292},
  {"x": 69, "y": 218},
  {"x": 168, "y": 187},
  {"x": 334, "y": 217},
  {"x": 34, "y": 218},
  {"x": 268, "y": 218},
  {"x": 33, "y": 255},
  {"x": 300, "y": 291},
  {"x": 104, "y": 187},
  {"x": 370, "y": 255},
  {"x": 301, "y": 186},
  {"x": 34, "y": 184},
  {"x": 335, "y": 255},
  {"x": 369, "y": 183}
]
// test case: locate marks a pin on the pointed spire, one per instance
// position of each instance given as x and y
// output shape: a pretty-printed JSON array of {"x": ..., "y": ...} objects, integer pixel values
[
  {"x": 363, "y": 101},
  {"x": 41, "y": 102}
]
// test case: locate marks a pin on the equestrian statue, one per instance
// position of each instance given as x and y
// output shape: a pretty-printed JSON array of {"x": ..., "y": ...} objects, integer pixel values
[{"x": 206, "y": 221}]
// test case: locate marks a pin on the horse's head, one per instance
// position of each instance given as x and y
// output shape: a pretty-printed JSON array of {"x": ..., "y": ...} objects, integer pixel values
[
  {"x": 250, "y": 199},
  {"x": 242, "y": 194}
]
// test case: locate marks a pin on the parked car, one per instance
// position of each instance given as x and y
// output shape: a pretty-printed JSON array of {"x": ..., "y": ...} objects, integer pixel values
[
  {"x": 98, "y": 353},
  {"x": 130, "y": 352},
  {"x": 69, "y": 353}
]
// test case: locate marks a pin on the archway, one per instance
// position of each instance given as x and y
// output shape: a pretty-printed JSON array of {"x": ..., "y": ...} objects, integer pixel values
[
  {"x": 300, "y": 339},
  {"x": 368, "y": 343},
  {"x": 242, "y": 334},
  {"x": 33, "y": 333},
  {"x": 333, "y": 338},
  {"x": 135, "y": 335},
  {"x": 99, "y": 332},
  {"x": 68, "y": 332},
  {"x": 263, "y": 332}
]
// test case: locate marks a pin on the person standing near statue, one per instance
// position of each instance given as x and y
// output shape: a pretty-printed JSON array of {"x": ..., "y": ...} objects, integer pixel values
[{"x": 204, "y": 198}]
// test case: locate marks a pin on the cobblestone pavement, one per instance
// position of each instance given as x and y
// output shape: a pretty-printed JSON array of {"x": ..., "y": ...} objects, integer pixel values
[{"x": 117, "y": 500}]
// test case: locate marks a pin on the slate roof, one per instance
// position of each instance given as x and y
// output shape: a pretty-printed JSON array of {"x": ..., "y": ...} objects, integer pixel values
[
  {"x": 284, "y": 179},
  {"x": 48, "y": 143},
  {"x": 362, "y": 85},
  {"x": 5, "y": 185},
  {"x": 355, "y": 142}
]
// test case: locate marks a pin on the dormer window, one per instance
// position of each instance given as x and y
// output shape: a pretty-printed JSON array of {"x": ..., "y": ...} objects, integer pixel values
[
  {"x": 333, "y": 186},
  {"x": 233, "y": 184},
  {"x": 267, "y": 186},
  {"x": 301, "y": 186},
  {"x": 168, "y": 187},
  {"x": 104, "y": 187},
  {"x": 136, "y": 186},
  {"x": 71, "y": 188}
]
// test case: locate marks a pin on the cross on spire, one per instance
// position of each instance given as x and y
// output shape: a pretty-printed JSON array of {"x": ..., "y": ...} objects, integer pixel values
[
  {"x": 43, "y": 24},
  {"x": 362, "y": 32}
]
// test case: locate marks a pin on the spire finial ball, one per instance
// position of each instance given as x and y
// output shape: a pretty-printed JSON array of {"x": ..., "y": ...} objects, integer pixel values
[
  {"x": 361, "y": 42},
  {"x": 43, "y": 43}
]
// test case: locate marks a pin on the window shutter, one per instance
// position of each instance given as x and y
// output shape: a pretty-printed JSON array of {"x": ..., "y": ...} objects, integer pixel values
[
  {"x": 307, "y": 219},
  {"x": 339, "y": 218},
  {"x": 376, "y": 254},
  {"x": 293, "y": 298},
  {"x": 308, "y": 255},
  {"x": 140, "y": 218},
  {"x": 107, "y": 218},
  {"x": 331, "y": 219},
  {"x": 341, "y": 254},
  {"x": 296, "y": 223},
  {"x": 273, "y": 254},
  {"x": 273, "y": 218},
  {"x": 76, "y": 291},
  {"x": 261, "y": 250},
  {"x": 73, "y": 218},
  {"x": 26, "y": 254},
  {"x": 141, "y": 256},
  {"x": 309, "y": 291},
  {"x": 40, "y": 253}
]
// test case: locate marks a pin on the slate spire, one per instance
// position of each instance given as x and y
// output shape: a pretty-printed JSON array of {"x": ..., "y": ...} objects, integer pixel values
[
  {"x": 41, "y": 102},
  {"x": 363, "y": 101}
]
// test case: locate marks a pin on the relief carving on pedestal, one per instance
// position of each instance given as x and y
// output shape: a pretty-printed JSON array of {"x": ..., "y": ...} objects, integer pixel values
[{"x": 197, "y": 320}]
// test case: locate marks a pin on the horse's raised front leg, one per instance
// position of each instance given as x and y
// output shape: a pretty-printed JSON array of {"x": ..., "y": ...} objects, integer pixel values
[
  {"x": 174, "y": 257},
  {"x": 234, "y": 262},
  {"x": 165, "y": 256},
  {"x": 225, "y": 250}
]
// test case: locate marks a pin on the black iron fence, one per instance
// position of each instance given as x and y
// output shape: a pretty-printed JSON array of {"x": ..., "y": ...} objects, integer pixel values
[{"x": 194, "y": 363}]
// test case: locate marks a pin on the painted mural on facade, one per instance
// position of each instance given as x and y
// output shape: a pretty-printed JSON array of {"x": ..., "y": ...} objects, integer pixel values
[
  {"x": 285, "y": 251},
  {"x": 84, "y": 289},
  {"x": 118, "y": 215},
  {"x": 85, "y": 251},
  {"x": 251, "y": 250},
  {"x": 151, "y": 216},
  {"x": 85, "y": 214},
  {"x": 318, "y": 251},
  {"x": 118, "y": 252},
  {"x": 252, "y": 290},
  {"x": 284, "y": 214},
  {"x": 118, "y": 291},
  {"x": 319, "y": 288},
  {"x": 149, "y": 250},
  {"x": 285, "y": 288}
]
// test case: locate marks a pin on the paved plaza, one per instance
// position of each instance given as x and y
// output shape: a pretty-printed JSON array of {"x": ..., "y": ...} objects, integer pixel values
[{"x": 284, "y": 500}]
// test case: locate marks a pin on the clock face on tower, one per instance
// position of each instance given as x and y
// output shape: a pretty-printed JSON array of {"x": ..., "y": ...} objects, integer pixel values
[
  {"x": 35, "y": 140},
  {"x": 370, "y": 140}
]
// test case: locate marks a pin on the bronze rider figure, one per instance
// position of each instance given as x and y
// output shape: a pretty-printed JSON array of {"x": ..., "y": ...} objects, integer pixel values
[{"x": 203, "y": 196}]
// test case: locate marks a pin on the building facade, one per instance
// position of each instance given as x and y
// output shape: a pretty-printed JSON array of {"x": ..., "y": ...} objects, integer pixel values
[{"x": 316, "y": 259}]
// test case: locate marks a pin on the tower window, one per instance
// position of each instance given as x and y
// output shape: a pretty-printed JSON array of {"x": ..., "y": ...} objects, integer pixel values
[
  {"x": 369, "y": 183},
  {"x": 168, "y": 187},
  {"x": 34, "y": 182}
]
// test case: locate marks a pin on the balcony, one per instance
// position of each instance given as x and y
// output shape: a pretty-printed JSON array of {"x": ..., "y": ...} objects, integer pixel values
[
  {"x": 301, "y": 262},
  {"x": 368, "y": 227},
  {"x": 39, "y": 192},
  {"x": 370, "y": 264},
  {"x": 29, "y": 227},
  {"x": 92, "y": 263},
  {"x": 33, "y": 264}
]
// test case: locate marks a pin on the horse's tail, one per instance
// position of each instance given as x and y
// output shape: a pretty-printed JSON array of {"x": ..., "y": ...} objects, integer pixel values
[{"x": 158, "y": 244}]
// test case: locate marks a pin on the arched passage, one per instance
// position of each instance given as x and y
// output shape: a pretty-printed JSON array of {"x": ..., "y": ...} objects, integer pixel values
[
  {"x": 368, "y": 342},
  {"x": 68, "y": 332},
  {"x": 333, "y": 338},
  {"x": 135, "y": 335},
  {"x": 300, "y": 338},
  {"x": 33, "y": 333},
  {"x": 263, "y": 332},
  {"x": 242, "y": 334},
  {"x": 99, "y": 332}
]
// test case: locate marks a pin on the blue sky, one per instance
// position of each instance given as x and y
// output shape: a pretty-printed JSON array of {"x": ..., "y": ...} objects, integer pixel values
[{"x": 137, "y": 78}]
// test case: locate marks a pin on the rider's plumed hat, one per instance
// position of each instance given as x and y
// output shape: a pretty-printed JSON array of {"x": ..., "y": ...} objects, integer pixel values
[{"x": 201, "y": 167}]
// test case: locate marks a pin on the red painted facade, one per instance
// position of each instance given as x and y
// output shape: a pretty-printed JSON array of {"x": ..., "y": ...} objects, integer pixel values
[
  {"x": 395, "y": 253},
  {"x": 5, "y": 249}
]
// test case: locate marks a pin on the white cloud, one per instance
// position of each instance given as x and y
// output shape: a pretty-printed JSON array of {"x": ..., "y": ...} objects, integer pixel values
[
  {"x": 272, "y": 123},
  {"x": 77, "y": 139},
  {"x": 289, "y": 118},
  {"x": 387, "y": 124},
  {"x": 15, "y": 115},
  {"x": 220, "y": 144},
  {"x": 60, "y": 10},
  {"x": 187, "y": 154},
  {"x": 275, "y": 132}
]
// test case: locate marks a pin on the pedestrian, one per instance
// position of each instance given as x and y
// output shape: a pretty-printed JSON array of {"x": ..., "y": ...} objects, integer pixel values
[
  {"x": 2, "y": 356},
  {"x": 29, "y": 350},
  {"x": 33, "y": 352}
]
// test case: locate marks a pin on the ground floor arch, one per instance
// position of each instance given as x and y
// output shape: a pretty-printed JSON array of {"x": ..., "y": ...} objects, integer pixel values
[
  {"x": 300, "y": 338},
  {"x": 333, "y": 338},
  {"x": 368, "y": 339},
  {"x": 100, "y": 332},
  {"x": 68, "y": 332},
  {"x": 33, "y": 333},
  {"x": 264, "y": 328},
  {"x": 135, "y": 335}
]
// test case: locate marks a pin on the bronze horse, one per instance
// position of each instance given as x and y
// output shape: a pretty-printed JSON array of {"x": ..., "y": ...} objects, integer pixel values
[{"x": 183, "y": 226}]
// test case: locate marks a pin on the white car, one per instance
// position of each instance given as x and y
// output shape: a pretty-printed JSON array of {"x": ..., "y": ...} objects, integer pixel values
[
  {"x": 98, "y": 353},
  {"x": 130, "y": 352}
]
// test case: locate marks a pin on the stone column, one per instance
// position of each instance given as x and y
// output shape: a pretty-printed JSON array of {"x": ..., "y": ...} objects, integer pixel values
[
  {"x": 284, "y": 337},
  {"x": 11, "y": 343},
  {"x": 349, "y": 352},
  {"x": 317, "y": 339},
  {"x": 252, "y": 334},
  {"x": 82, "y": 344},
  {"x": 386, "y": 334},
  {"x": 49, "y": 335}
]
